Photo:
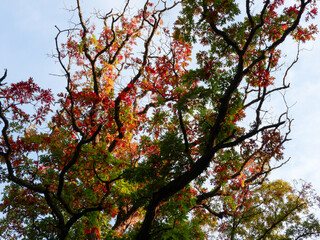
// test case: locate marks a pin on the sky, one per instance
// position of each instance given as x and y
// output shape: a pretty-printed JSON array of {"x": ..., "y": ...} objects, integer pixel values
[{"x": 27, "y": 41}]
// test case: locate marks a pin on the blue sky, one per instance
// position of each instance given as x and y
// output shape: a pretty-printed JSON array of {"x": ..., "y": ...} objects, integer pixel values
[{"x": 28, "y": 31}]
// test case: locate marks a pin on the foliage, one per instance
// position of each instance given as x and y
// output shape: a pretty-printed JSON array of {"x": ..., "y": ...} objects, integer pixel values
[{"x": 148, "y": 144}]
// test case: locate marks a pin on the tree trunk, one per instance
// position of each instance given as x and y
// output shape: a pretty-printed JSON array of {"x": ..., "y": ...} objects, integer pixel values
[
  {"x": 126, "y": 218},
  {"x": 94, "y": 234}
]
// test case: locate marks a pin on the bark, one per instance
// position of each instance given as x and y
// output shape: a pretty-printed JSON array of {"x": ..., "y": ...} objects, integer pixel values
[
  {"x": 94, "y": 234},
  {"x": 161, "y": 196},
  {"x": 126, "y": 218}
]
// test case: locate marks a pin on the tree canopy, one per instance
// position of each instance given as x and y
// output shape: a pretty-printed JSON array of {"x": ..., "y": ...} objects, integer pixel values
[{"x": 162, "y": 132}]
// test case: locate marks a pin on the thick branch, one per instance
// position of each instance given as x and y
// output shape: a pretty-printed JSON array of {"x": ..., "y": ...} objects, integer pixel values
[
  {"x": 74, "y": 159},
  {"x": 133, "y": 81}
]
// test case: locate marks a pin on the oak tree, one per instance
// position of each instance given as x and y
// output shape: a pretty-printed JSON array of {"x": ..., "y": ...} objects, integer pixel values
[{"x": 161, "y": 133}]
